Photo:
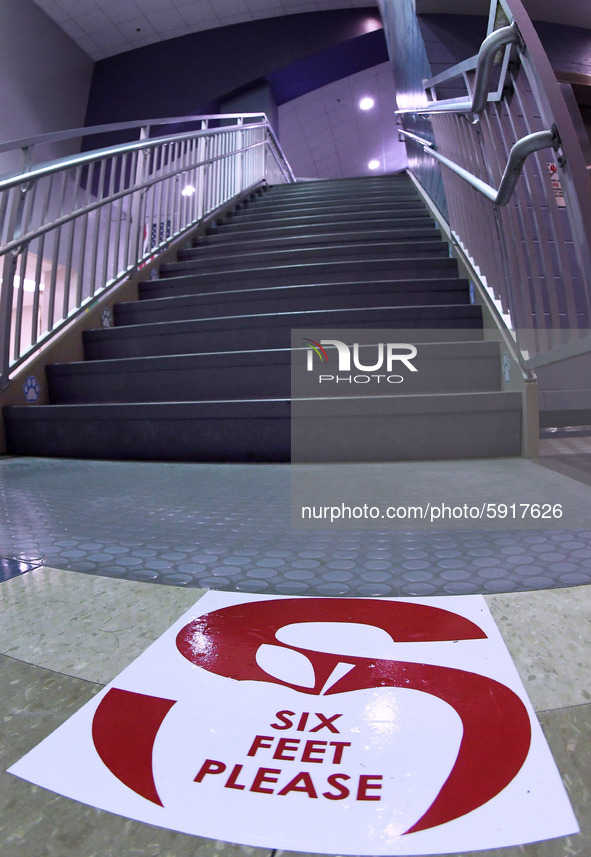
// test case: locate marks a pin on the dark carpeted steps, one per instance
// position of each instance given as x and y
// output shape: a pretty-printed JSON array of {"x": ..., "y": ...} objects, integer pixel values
[{"x": 199, "y": 369}]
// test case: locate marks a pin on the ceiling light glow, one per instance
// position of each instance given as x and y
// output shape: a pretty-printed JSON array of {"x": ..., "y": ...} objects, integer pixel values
[
  {"x": 366, "y": 103},
  {"x": 373, "y": 165},
  {"x": 188, "y": 190},
  {"x": 372, "y": 24}
]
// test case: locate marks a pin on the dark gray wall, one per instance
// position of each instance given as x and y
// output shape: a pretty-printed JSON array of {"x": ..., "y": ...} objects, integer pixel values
[
  {"x": 45, "y": 78},
  {"x": 410, "y": 67},
  {"x": 568, "y": 48},
  {"x": 192, "y": 73},
  {"x": 449, "y": 39},
  {"x": 258, "y": 98}
]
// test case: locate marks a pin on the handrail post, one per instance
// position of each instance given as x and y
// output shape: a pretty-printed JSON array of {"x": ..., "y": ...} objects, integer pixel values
[
  {"x": 6, "y": 294},
  {"x": 265, "y": 164},
  {"x": 201, "y": 173},
  {"x": 239, "y": 166},
  {"x": 8, "y": 275},
  {"x": 27, "y": 158},
  {"x": 136, "y": 207}
]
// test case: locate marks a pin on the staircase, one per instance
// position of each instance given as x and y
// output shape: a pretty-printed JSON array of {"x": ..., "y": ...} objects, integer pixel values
[{"x": 199, "y": 368}]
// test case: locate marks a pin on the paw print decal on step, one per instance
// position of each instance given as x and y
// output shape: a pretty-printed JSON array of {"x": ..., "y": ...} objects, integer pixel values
[
  {"x": 506, "y": 368},
  {"x": 31, "y": 389},
  {"x": 107, "y": 318}
]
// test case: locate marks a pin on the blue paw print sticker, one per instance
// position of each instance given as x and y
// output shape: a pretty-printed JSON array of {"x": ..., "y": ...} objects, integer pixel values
[
  {"x": 106, "y": 318},
  {"x": 506, "y": 368},
  {"x": 31, "y": 389}
]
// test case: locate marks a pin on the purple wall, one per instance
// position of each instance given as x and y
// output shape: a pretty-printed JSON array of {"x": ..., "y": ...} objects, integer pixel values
[
  {"x": 44, "y": 82},
  {"x": 568, "y": 48},
  {"x": 193, "y": 73},
  {"x": 449, "y": 39}
]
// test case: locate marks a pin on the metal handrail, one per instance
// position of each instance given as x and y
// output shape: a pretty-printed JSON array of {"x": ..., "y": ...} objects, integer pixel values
[
  {"x": 533, "y": 256},
  {"x": 74, "y": 227},
  {"x": 484, "y": 66},
  {"x": 519, "y": 152},
  {"x": 87, "y": 209},
  {"x": 88, "y": 157},
  {"x": 95, "y": 130}
]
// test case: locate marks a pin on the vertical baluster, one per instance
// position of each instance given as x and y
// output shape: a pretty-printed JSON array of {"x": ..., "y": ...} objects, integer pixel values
[
  {"x": 151, "y": 201},
  {"x": 135, "y": 217},
  {"x": 35, "y": 319},
  {"x": 69, "y": 231},
  {"x": 118, "y": 264},
  {"x": 56, "y": 236},
  {"x": 17, "y": 344}
]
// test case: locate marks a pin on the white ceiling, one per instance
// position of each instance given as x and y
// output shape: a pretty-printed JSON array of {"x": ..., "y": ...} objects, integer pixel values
[
  {"x": 103, "y": 28},
  {"x": 324, "y": 134}
]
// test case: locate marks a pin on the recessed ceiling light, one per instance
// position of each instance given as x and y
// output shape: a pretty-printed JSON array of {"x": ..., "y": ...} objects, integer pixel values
[
  {"x": 188, "y": 190},
  {"x": 366, "y": 103},
  {"x": 373, "y": 165}
]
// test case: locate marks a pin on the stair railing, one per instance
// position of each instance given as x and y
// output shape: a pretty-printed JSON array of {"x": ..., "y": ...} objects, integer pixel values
[
  {"x": 73, "y": 227},
  {"x": 517, "y": 186}
]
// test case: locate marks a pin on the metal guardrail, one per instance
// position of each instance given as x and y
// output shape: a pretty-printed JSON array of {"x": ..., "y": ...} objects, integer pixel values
[
  {"x": 483, "y": 65},
  {"x": 71, "y": 228},
  {"x": 524, "y": 223},
  {"x": 519, "y": 152}
]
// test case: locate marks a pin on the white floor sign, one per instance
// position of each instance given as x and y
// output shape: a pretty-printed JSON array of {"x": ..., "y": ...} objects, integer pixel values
[{"x": 349, "y": 726}]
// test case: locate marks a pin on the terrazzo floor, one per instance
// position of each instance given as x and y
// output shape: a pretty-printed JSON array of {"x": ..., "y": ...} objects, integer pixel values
[
  {"x": 64, "y": 636},
  {"x": 80, "y": 539}
]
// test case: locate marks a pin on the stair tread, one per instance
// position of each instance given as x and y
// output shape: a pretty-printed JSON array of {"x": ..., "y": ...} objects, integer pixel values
[
  {"x": 344, "y": 287},
  {"x": 132, "y": 329},
  {"x": 213, "y": 241},
  {"x": 198, "y": 257},
  {"x": 308, "y": 267},
  {"x": 430, "y": 350},
  {"x": 417, "y": 403},
  {"x": 386, "y": 285},
  {"x": 289, "y": 256}
]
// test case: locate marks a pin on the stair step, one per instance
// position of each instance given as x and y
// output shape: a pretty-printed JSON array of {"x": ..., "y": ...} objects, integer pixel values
[
  {"x": 199, "y": 261},
  {"x": 332, "y": 221},
  {"x": 217, "y": 241},
  {"x": 317, "y": 189},
  {"x": 334, "y": 210},
  {"x": 351, "y": 185},
  {"x": 291, "y": 299},
  {"x": 381, "y": 429},
  {"x": 235, "y": 333},
  {"x": 306, "y": 272},
  {"x": 442, "y": 367},
  {"x": 324, "y": 227},
  {"x": 427, "y": 428},
  {"x": 200, "y": 368},
  {"x": 341, "y": 202},
  {"x": 347, "y": 241},
  {"x": 161, "y": 289}
]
